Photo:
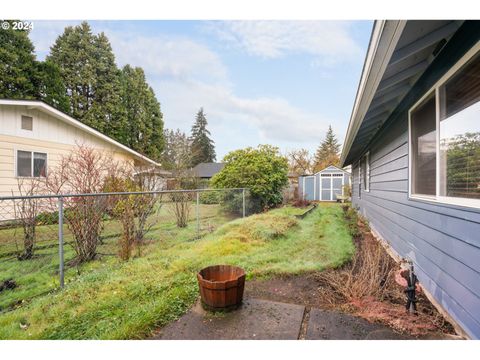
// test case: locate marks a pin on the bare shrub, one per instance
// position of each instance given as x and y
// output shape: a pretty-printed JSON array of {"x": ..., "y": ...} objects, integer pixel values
[
  {"x": 146, "y": 204},
  {"x": 182, "y": 203},
  {"x": 26, "y": 210},
  {"x": 366, "y": 276},
  {"x": 132, "y": 210},
  {"x": 83, "y": 171}
]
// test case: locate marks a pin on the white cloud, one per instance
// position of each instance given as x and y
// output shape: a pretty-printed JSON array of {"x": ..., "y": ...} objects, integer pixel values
[
  {"x": 274, "y": 118},
  {"x": 187, "y": 75},
  {"x": 329, "y": 40},
  {"x": 175, "y": 57}
]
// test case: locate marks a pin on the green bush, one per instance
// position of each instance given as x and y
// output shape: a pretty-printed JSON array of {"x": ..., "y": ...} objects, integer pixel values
[
  {"x": 211, "y": 197},
  {"x": 262, "y": 170}
]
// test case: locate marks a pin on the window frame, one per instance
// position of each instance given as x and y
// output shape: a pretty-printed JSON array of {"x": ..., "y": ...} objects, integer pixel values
[
  {"x": 32, "y": 159},
  {"x": 435, "y": 90},
  {"x": 21, "y": 122},
  {"x": 359, "y": 178},
  {"x": 366, "y": 185}
]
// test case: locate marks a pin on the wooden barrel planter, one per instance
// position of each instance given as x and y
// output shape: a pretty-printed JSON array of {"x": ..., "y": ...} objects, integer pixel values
[{"x": 221, "y": 286}]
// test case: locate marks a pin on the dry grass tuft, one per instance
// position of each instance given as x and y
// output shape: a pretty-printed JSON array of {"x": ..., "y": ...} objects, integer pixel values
[
  {"x": 369, "y": 274},
  {"x": 366, "y": 286}
]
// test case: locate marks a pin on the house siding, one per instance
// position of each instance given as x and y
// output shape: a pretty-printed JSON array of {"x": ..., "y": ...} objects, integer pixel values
[
  {"x": 49, "y": 135},
  {"x": 442, "y": 240}
]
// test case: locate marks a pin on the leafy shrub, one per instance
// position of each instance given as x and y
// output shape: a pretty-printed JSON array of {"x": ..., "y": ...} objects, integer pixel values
[
  {"x": 262, "y": 170},
  {"x": 352, "y": 218},
  {"x": 211, "y": 197},
  {"x": 232, "y": 203}
]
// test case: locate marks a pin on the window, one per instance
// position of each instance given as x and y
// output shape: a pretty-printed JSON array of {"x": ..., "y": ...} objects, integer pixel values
[
  {"x": 27, "y": 122},
  {"x": 460, "y": 133},
  {"x": 359, "y": 166},
  {"x": 444, "y": 134},
  {"x": 365, "y": 171},
  {"x": 31, "y": 164},
  {"x": 423, "y": 137}
]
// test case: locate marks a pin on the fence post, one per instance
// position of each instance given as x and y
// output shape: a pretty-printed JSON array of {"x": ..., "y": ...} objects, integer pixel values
[
  {"x": 198, "y": 214},
  {"x": 60, "y": 240},
  {"x": 243, "y": 204}
]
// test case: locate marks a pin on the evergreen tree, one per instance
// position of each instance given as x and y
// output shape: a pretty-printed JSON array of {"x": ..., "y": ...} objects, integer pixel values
[
  {"x": 92, "y": 80},
  {"x": 50, "y": 87},
  {"x": 22, "y": 76},
  {"x": 202, "y": 147},
  {"x": 17, "y": 65},
  {"x": 328, "y": 151},
  {"x": 144, "y": 117}
]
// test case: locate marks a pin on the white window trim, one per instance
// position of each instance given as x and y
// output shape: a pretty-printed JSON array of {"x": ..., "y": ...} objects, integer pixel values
[
  {"x": 359, "y": 178},
  {"x": 32, "y": 161},
  {"x": 366, "y": 158},
  {"x": 449, "y": 200}
]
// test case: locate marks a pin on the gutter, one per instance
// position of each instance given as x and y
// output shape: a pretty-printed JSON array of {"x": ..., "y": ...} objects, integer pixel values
[{"x": 383, "y": 41}]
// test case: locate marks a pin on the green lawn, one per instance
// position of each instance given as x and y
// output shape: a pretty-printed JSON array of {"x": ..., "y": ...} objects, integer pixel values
[
  {"x": 40, "y": 274},
  {"x": 116, "y": 300}
]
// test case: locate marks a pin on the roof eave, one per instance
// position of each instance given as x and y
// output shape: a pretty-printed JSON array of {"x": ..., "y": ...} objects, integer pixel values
[
  {"x": 385, "y": 36},
  {"x": 34, "y": 104}
]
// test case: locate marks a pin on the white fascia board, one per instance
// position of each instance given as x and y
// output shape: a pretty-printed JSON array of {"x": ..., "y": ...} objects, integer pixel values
[
  {"x": 383, "y": 42},
  {"x": 34, "y": 104}
]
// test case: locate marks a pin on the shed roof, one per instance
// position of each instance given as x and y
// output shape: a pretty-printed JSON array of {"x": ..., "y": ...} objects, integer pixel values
[
  {"x": 331, "y": 169},
  {"x": 398, "y": 54},
  {"x": 207, "y": 170}
]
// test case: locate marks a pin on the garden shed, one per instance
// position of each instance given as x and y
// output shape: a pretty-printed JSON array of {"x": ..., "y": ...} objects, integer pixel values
[{"x": 325, "y": 185}]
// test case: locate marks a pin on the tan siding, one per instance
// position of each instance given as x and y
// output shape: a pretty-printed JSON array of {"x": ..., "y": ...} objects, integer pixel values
[{"x": 49, "y": 135}]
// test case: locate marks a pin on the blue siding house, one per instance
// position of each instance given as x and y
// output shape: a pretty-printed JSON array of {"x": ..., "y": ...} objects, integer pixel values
[{"x": 414, "y": 145}]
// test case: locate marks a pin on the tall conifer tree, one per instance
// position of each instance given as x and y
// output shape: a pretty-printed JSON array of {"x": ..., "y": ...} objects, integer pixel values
[
  {"x": 328, "y": 151},
  {"x": 202, "y": 147},
  {"x": 92, "y": 79}
]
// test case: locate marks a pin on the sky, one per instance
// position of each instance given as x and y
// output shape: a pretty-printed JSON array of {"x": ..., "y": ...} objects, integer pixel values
[{"x": 259, "y": 82}]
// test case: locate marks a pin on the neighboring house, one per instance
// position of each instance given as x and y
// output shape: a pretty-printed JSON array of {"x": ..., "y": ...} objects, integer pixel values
[
  {"x": 34, "y": 136},
  {"x": 414, "y": 144},
  {"x": 325, "y": 185},
  {"x": 154, "y": 179},
  {"x": 206, "y": 171}
]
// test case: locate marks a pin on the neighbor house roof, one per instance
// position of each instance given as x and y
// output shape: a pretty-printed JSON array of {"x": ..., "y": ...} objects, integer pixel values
[
  {"x": 398, "y": 54},
  {"x": 207, "y": 170},
  {"x": 40, "y": 105}
]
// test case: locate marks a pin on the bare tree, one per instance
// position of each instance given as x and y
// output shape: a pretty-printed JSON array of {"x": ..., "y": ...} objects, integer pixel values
[
  {"x": 26, "y": 211},
  {"x": 300, "y": 162},
  {"x": 83, "y": 171}
]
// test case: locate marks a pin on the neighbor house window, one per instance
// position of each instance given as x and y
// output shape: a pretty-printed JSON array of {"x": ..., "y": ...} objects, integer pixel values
[
  {"x": 31, "y": 164},
  {"x": 27, "y": 122},
  {"x": 445, "y": 138}
]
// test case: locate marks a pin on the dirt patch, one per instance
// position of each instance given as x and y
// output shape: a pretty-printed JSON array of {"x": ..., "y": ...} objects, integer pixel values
[{"x": 364, "y": 287}]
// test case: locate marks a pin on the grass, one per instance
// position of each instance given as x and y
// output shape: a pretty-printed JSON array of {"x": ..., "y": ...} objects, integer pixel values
[
  {"x": 39, "y": 275},
  {"x": 127, "y": 300}
]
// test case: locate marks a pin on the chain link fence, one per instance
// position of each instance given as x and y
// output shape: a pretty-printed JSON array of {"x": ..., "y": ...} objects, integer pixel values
[{"x": 47, "y": 240}]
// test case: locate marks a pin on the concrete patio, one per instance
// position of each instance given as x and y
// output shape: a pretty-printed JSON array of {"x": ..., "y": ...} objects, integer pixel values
[{"x": 268, "y": 320}]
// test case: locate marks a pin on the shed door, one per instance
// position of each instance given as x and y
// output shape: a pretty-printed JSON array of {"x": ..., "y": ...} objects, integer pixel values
[
  {"x": 309, "y": 188},
  {"x": 337, "y": 184},
  {"x": 326, "y": 183}
]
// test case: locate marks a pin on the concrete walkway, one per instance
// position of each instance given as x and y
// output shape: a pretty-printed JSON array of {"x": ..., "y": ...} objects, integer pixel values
[{"x": 268, "y": 320}]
